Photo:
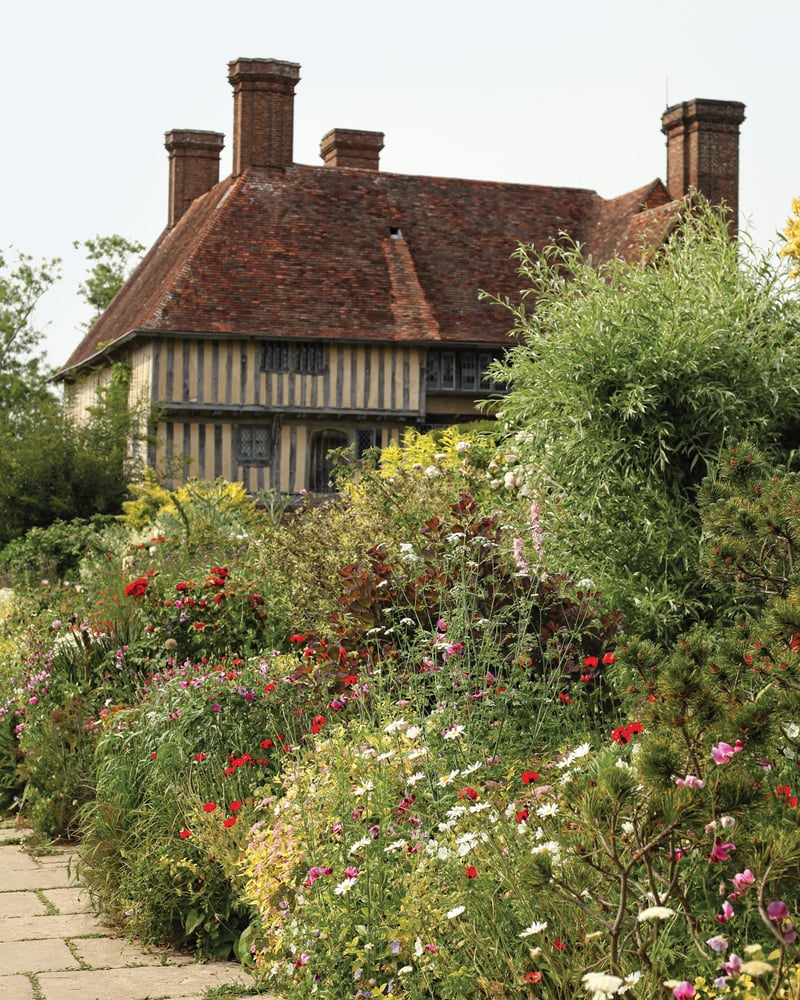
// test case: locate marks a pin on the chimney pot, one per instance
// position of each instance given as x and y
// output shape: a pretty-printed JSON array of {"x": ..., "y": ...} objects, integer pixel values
[
  {"x": 346, "y": 147},
  {"x": 193, "y": 167},
  {"x": 263, "y": 106},
  {"x": 703, "y": 151}
]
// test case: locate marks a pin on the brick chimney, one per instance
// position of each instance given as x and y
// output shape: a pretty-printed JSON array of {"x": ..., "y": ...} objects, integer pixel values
[
  {"x": 263, "y": 112},
  {"x": 347, "y": 147},
  {"x": 193, "y": 167},
  {"x": 703, "y": 150}
]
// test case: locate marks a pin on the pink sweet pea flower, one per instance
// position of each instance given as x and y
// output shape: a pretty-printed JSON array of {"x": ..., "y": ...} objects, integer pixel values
[
  {"x": 733, "y": 966},
  {"x": 690, "y": 781},
  {"x": 684, "y": 991},
  {"x": 721, "y": 851},
  {"x": 727, "y": 913},
  {"x": 723, "y": 752},
  {"x": 777, "y": 910},
  {"x": 742, "y": 880}
]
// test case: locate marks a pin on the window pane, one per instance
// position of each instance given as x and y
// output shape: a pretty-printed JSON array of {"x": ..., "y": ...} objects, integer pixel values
[
  {"x": 448, "y": 370},
  {"x": 468, "y": 370}
]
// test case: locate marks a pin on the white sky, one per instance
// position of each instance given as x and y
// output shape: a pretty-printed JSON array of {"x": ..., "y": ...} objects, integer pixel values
[{"x": 509, "y": 90}]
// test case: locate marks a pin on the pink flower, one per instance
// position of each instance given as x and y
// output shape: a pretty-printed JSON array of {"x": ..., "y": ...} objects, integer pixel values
[
  {"x": 315, "y": 873},
  {"x": 777, "y": 911},
  {"x": 721, "y": 851},
  {"x": 727, "y": 913},
  {"x": 733, "y": 966},
  {"x": 742, "y": 879},
  {"x": 690, "y": 781},
  {"x": 723, "y": 752},
  {"x": 684, "y": 991},
  {"x": 719, "y": 942}
]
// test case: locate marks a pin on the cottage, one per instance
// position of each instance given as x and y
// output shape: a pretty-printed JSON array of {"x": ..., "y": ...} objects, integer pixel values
[{"x": 290, "y": 309}]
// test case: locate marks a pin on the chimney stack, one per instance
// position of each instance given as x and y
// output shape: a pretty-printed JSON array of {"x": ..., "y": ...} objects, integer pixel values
[
  {"x": 347, "y": 147},
  {"x": 263, "y": 112},
  {"x": 193, "y": 167},
  {"x": 703, "y": 151}
]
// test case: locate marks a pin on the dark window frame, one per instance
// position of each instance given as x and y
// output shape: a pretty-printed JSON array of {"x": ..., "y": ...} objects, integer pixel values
[
  {"x": 302, "y": 357},
  {"x": 461, "y": 371},
  {"x": 249, "y": 449}
]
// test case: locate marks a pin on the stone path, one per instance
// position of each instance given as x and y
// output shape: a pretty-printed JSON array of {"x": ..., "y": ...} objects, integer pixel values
[{"x": 52, "y": 947}]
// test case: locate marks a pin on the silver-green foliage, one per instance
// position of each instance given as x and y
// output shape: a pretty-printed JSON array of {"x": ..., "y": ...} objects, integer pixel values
[{"x": 627, "y": 382}]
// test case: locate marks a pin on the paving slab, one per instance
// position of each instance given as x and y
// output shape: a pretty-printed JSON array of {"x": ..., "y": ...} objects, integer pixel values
[
  {"x": 13, "y": 857},
  {"x": 10, "y": 832},
  {"x": 34, "y": 878},
  {"x": 117, "y": 953},
  {"x": 21, "y": 904},
  {"x": 74, "y": 900},
  {"x": 44, "y": 955},
  {"x": 63, "y": 925},
  {"x": 137, "y": 984},
  {"x": 16, "y": 988},
  {"x": 73, "y": 954}
]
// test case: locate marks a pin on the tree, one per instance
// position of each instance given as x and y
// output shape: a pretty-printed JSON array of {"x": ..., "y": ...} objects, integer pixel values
[
  {"x": 23, "y": 373},
  {"x": 628, "y": 383},
  {"x": 59, "y": 470},
  {"x": 50, "y": 468},
  {"x": 114, "y": 257}
]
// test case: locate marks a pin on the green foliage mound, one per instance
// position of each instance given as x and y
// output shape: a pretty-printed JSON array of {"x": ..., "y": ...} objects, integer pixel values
[{"x": 629, "y": 382}]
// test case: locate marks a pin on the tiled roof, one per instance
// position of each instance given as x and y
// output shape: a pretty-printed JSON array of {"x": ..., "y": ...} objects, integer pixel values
[{"x": 334, "y": 253}]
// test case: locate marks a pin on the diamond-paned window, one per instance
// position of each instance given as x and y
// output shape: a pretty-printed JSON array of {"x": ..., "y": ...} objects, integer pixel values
[{"x": 255, "y": 443}]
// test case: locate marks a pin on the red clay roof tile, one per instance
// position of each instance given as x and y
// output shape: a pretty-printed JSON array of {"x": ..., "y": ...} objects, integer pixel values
[{"x": 308, "y": 252}]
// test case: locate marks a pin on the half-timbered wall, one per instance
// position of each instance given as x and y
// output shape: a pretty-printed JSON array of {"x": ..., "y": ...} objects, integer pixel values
[
  {"x": 191, "y": 447},
  {"x": 250, "y": 411},
  {"x": 356, "y": 378}
]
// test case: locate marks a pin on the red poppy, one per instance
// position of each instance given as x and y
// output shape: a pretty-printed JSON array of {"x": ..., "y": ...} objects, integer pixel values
[
  {"x": 235, "y": 806},
  {"x": 560, "y": 945},
  {"x": 609, "y": 658},
  {"x": 590, "y": 661},
  {"x": 564, "y": 698},
  {"x": 533, "y": 977},
  {"x": 265, "y": 744},
  {"x": 622, "y": 734},
  {"x": 298, "y": 637},
  {"x": 199, "y": 757},
  {"x": 350, "y": 680},
  {"x": 522, "y": 815},
  {"x": 468, "y": 793},
  {"x": 154, "y": 755},
  {"x": 471, "y": 871},
  {"x": 136, "y": 588},
  {"x": 269, "y": 687},
  {"x": 185, "y": 834},
  {"x": 529, "y": 776},
  {"x": 230, "y": 821},
  {"x": 209, "y": 807}
]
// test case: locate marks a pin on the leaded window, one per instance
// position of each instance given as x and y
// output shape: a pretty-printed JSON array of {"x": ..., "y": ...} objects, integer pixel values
[
  {"x": 255, "y": 443},
  {"x": 304, "y": 358}
]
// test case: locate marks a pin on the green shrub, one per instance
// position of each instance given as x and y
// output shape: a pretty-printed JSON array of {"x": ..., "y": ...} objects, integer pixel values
[
  {"x": 175, "y": 776},
  {"x": 629, "y": 382},
  {"x": 51, "y": 553}
]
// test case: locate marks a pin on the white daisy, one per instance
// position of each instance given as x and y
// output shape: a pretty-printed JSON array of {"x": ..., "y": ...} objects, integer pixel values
[{"x": 535, "y": 928}]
